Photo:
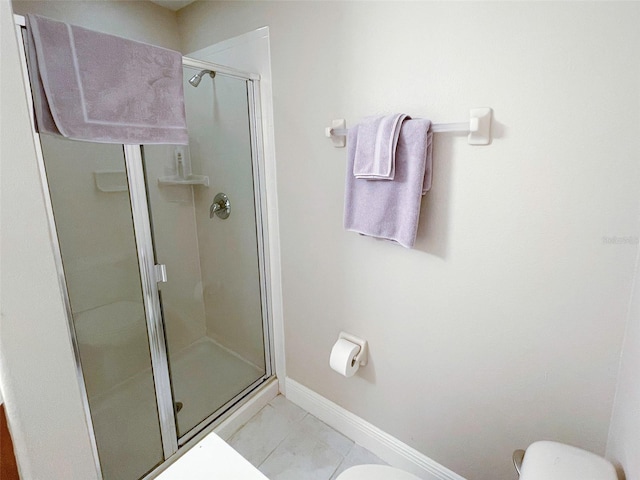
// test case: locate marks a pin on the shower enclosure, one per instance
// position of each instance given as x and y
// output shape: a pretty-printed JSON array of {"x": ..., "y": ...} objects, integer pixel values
[{"x": 166, "y": 281}]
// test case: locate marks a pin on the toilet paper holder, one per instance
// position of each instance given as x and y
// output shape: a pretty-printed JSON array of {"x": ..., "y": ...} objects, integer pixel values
[{"x": 363, "y": 354}]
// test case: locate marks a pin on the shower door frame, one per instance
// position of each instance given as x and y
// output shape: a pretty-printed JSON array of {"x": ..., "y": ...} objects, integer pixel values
[
  {"x": 262, "y": 236},
  {"x": 149, "y": 279},
  {"x": 20, "y": 24},
  {"x": 150, "y": 273}
]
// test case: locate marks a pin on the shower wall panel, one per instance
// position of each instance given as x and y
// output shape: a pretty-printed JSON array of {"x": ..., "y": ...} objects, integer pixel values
[
  {"x": 212, "y": 299},
  {"x": 95, "y": 252},
  {"x": 176, "y": 245},
  {"x": 220, "y": 148}
]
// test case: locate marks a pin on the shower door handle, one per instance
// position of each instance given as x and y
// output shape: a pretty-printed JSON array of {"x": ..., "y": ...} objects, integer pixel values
[{"x": 161, "y": 273}]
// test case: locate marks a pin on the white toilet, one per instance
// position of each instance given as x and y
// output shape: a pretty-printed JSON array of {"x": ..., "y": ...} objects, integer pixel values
[{"x": 542, "y": 461}]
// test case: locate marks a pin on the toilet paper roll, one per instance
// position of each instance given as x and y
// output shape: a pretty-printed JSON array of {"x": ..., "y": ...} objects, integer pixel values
[{"x": 342, "y": 358}]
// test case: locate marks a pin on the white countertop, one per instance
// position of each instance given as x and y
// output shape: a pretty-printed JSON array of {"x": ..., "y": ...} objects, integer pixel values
[{"x": 211, "y": 458}]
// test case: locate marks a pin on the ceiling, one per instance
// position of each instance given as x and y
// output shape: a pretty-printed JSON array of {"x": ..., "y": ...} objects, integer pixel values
[{"x": 173, "y": 4}]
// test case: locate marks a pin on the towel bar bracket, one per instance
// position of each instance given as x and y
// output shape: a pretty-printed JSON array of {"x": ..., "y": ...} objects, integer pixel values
[
  {"x": 480, "y": 126},
  {"x": 337, "y": 132}
]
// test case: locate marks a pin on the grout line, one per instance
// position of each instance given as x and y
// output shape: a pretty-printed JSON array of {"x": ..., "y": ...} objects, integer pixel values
[
  {"x": 336, "y": 469},
  {"x": 292, "y": 429},
  {"x": 326, "y": 444},
  {"x": 289, "y": 432},
  {"x": 276, "y": 447},
  {"x": 237, "y": 430},
  {"x": 352, "y": 446}
]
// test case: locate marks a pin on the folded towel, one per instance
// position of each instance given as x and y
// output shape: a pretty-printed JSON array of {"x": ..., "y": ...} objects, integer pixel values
[
  {"x": 391, "y": 210},
  {"x": 376, "y": 147},
  {"x": 101, "y": 88}
]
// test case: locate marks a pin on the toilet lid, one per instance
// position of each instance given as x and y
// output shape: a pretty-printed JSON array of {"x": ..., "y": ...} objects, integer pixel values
[
  {"x": 375, "y": 472},
  {"x": 557, "y": 461}
]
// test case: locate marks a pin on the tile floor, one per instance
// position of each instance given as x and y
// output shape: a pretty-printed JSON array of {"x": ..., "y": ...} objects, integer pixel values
[{"x": 287, "y": 443}]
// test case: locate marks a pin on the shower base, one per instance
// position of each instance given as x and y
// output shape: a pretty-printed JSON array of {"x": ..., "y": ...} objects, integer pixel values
[{"x": 205, "y": 376}]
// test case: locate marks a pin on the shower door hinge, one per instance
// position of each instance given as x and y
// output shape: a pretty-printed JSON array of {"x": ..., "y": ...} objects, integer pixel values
[{"x": 161, "y": 273}]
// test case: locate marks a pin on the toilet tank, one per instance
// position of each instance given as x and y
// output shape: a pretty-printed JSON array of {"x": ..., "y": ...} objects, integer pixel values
[{"x": 556, "y": 461}]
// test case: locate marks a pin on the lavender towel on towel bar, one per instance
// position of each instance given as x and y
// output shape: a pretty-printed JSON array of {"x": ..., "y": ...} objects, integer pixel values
[
  {"x": 391, "y": 210},
  {"x": 101, "y": 88},
  {"x": 376, "y": 146}
]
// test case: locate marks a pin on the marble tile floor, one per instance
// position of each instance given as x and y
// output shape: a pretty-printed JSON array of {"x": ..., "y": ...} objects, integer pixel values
[{"x": 286, "y": 443}]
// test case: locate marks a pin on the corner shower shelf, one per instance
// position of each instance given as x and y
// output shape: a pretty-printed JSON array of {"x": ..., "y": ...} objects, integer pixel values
[{"x": 190, "y": 180}]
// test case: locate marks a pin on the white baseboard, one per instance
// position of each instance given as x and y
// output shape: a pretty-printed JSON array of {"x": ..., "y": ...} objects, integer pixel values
[{"x": 385, "y": 446}]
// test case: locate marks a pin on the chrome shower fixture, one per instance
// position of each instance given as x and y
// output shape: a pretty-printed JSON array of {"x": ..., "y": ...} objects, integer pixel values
[
  {"x": 221, "y": 206},
  {"x": 195, "y": 80}
]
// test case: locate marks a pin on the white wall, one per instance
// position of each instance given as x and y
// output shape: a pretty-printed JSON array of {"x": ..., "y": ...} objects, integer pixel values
[
  {"x": 624, "y": 435},
  {"x": 504, "y": 325}
]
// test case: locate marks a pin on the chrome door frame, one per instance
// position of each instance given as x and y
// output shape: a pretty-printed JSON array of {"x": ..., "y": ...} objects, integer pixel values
[
  {"x": 260, "y": 199},
  {"x": 144, "y": 246},
  {"x": 20, "y": 23},
  {"x": 149, "y": 282},
  {"x": 262, "y": 231},
  {"x": 252, "y": 81}
]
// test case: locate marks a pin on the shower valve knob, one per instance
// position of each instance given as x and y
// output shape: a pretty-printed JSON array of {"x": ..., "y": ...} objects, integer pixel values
[{"x": 220, "y": 206}]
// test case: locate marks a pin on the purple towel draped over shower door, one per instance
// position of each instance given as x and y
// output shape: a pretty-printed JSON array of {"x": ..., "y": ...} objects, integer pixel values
[{"x": 102, "y": 88}]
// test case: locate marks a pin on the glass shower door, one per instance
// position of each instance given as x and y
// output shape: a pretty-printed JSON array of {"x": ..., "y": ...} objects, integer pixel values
[
  {"x": 205, "y": 224},
  {"x": 89, "y": 194}
]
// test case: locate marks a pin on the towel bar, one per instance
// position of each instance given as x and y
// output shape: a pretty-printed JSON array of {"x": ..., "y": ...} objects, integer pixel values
[{"x": 478, "y": 127}]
